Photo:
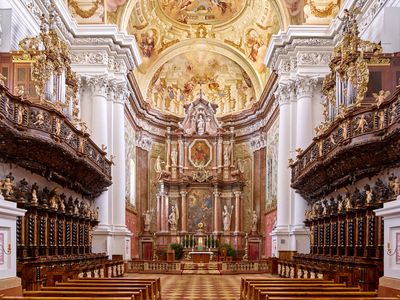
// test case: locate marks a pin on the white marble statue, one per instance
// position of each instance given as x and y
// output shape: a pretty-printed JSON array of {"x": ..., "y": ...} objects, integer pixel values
[
  {"x": 201, "y": 125},
  {"x": 254, "y": 221},
  {"x": 147, "y": 220},
  {"x": 226, "y": 157},
  {"x": 174, "y": 157},
  {"x": 227, "y": 215},
  {"x": 173, "y": 218},
  {"x": 158, "y": 165}
]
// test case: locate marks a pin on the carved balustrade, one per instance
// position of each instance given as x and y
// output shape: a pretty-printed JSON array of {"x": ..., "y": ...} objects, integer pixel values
[{"x": 43, "y": 140}]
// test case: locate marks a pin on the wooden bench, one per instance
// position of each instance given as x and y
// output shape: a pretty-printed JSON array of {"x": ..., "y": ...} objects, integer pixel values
[
  {"x": 123, "y": 282},
  {"x": 246, "y": 282},
  {"x": 146, "y": 288},
  {"x": 268, "y": 295},
  {"x": 63, "y": 298},
  {"x": 133, "y": 295}
]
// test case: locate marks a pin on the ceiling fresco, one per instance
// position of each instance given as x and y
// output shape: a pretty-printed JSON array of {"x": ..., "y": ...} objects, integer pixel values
[
  {"x": 172, "y": 34},
  {"x": 202, "y": 11},
  {"x": 219, "y": 79}
]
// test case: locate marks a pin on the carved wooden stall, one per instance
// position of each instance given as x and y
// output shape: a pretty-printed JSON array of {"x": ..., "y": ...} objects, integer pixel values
[
  {"x": 39, "y": 133},
  {"x": 343, "y": 174}
]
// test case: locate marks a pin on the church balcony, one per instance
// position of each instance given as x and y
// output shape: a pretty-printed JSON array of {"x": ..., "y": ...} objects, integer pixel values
[
  {"x": 360, "y": 144},
  {"x": 39, "y": 138}
]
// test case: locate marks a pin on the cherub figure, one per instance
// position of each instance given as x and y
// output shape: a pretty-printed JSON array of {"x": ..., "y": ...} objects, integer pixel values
[
  {"x": 361, "y": 123},
  {"x": 380, "y": 97},
  {"x": 39, "y": 119}
]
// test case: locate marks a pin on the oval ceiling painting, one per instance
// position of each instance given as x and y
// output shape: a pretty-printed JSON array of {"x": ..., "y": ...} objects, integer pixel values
[{"x": 202, "y": 11}]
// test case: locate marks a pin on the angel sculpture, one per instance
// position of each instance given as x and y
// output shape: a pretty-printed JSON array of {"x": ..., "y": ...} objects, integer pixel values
[
  {"x": 380, "y": 97},
  {"x": 173, "y": 218}
]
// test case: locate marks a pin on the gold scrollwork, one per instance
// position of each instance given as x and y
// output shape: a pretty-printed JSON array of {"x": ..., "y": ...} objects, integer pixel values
[
  {"x": 322, "y": 13},
  {"x": 84, "y": 13}
]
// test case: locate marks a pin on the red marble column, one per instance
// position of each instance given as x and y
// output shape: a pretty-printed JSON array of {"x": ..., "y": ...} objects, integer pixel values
[
  {"x": 217, "y": 211},
  {"x": 237, "y": 211},
  {"x": 184, "y": 211}
]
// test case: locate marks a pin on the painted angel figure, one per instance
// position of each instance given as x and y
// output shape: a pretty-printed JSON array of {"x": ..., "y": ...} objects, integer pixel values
[
  {"x": 380, "y": 97},
  {"x": 173, "y": 218}
]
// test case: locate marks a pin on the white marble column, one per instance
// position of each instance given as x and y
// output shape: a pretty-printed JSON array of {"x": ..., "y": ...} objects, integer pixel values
[
  {"x": 217, "y": 211},
  {"x": 304, "y": 134},
  {"x": 280, "y": 235},
  {"x": 120, "y": 231},
  {"x": 99, "y": 126}
]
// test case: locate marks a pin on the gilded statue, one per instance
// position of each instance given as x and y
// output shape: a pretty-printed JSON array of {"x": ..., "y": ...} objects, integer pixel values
[
  {"x": 158, "y": 165},
  {"x": 347, "y": 201},
  {"x": 394, "y": 183},
  {"x": 54, "y": 199},
  {"x": 368, "y": 194},
  {"x": 7, "y": 186},
  {"x": 381, "y": 116},
  {"x": 361, "y": 123},
  {"x": 380, "y": 97},
  {"x": 227, "y": 215},
  {"x": 39, "y": 119},
  {"x": 20, "y": 114},
  {"x": 34, "y": 198}
]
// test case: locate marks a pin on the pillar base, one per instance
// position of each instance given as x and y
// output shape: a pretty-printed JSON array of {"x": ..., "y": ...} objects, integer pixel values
[
  {"x": 388, "y": 287},
  {"x": 112, "y": 240},
  {"x": 11, "y": 286},
  {"x": 300, "y": 240},
  {"x": 280, "y": 240}
]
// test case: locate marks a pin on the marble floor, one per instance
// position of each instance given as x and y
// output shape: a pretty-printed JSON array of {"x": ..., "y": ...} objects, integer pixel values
[{"x": 198, "y": 287}]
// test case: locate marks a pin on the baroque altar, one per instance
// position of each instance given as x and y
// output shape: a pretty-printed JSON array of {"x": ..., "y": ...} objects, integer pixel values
[{"x": 199, "y": 185}]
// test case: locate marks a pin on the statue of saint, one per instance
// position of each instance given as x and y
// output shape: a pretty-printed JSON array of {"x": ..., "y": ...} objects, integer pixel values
[
  {"x": 173, "y": 218},
  {"x": 147, "y": 220},
  {"x": 201, "y": 125},
  {"x": 226, "y": 157},
  {"x": 174, "y": 157},
  {"x": 7, "y": 186},
  {"x": 227, "y": 215},
  {"x": 254, "y": 220},
  {"x": 158, "y": 165}
]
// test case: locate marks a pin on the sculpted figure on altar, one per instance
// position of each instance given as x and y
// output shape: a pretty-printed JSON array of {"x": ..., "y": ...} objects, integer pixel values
[
  {"x": 173, "y": 218},
  {"x": 174, "y": 157},
  {"x": 227, "y": 215},
  {"x": 201, "y": 125}
]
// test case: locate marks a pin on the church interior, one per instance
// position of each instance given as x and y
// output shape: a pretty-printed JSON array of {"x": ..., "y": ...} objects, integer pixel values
[{"x": 199, "y": 149}]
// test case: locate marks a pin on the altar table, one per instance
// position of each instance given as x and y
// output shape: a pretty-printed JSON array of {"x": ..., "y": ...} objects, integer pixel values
[{"x": 201, "y": 256}]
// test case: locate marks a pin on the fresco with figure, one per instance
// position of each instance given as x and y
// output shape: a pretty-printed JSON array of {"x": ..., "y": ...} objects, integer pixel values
[
  {"x": 219, "y": 78},
  {"x": 272, "y": 166},
  {"x": 245, "y": 159},
  {"x": 130, "y": 159},
  {"x": 200, "y": 209},
  {"x": 200, "y": 11}
]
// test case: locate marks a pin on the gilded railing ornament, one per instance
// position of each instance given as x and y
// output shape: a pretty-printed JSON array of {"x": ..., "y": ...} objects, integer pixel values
[{"x": 55, "y": 82}]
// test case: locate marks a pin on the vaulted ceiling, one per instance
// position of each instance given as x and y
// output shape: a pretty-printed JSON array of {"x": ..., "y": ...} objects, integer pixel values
[{"x": 216, "y": 46}]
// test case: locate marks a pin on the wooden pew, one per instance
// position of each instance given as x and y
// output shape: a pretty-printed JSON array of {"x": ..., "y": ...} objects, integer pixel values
[
  {"x": 155, "y": 283},
  {"x": 327, "y": 298},
  {"x": 280, "y": 295},
  {"x": 122, "y": 280},
  {"x": 256, "y": 290},
  {"x": 133, "y": 295},
  {"x": 63, "y": 298},
  {"x": 146, "y": 288},
  {"x": 245, "y": 283}
]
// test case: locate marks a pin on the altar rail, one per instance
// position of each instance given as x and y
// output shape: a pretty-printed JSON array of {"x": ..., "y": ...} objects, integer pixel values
[
  {"x": 366, "y": 134},
  {"x": 41, "y": 139},
  {"x": 241, "y": 267}
]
